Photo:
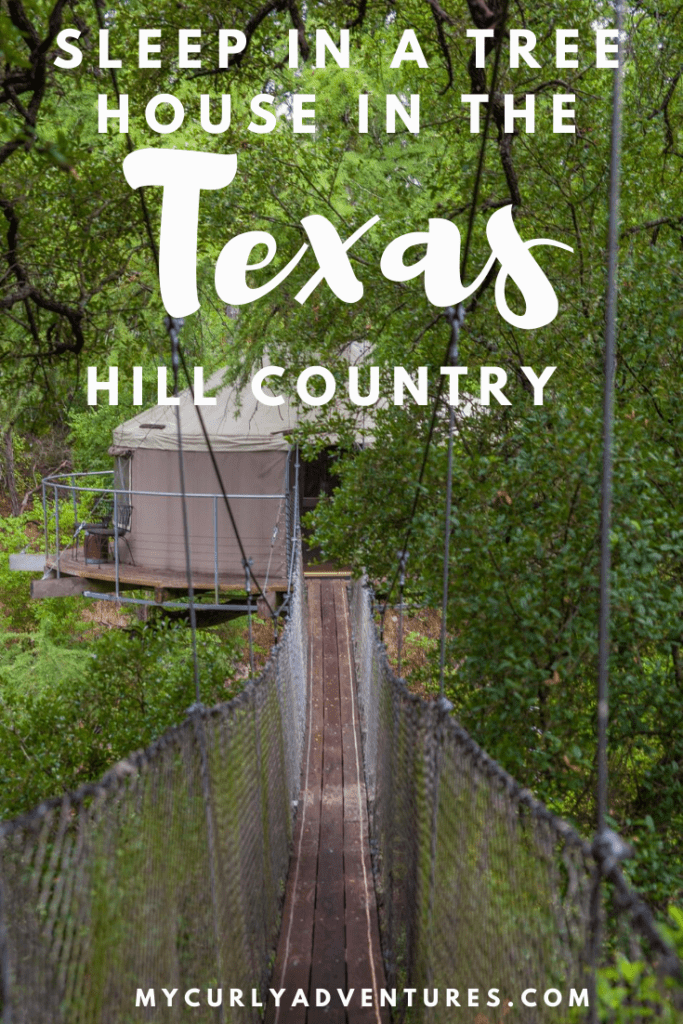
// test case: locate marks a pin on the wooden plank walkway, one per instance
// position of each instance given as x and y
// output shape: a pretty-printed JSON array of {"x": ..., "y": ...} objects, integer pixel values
[{"x": 330, "y": 936}]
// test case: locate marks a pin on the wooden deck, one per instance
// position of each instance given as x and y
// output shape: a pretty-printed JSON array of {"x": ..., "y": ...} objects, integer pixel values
[
  {"x": 72, "y": 563},
  {"x": 330, "y": 935}
]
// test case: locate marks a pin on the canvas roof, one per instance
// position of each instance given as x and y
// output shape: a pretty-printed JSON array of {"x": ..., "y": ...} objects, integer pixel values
[{"x": 237, "y": 422}]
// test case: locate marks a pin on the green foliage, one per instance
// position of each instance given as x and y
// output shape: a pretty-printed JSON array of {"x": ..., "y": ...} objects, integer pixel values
[
  {"x": 72, "y": 704},
  {"x": 523, "y": 597},
  {"x": 15, "y": 605},
  {"x": 90, "y": 427},
  {"x": 524, "y": 546},
  {"x": 628, "y": 990},
  {"x": 26, "y": 533}
]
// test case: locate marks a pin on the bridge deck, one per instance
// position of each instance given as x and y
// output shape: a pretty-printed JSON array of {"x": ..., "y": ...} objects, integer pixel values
[{"x": 330, "y": 934}]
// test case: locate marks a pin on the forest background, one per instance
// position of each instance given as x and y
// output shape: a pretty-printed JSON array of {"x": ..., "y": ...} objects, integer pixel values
[{"x": 78, "y": 287}]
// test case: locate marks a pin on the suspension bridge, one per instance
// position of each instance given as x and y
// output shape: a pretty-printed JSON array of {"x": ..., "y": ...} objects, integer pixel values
[{"x": 327, "y": 846}]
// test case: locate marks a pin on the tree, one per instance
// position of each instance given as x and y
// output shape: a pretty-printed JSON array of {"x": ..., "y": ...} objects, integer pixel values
[{"x": 81, "y": 281}]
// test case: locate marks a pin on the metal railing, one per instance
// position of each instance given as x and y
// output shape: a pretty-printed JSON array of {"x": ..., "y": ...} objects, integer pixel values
[{"x": 82, "y": 497}]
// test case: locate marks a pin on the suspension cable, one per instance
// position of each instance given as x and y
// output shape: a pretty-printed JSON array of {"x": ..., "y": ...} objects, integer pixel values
[
  {"x": 173, "y": 325},
  {"x": 403, "y": 558},
  {"x": 456, "y": 317},
  {"x": 155, "y": 254},
  {"x": 608, "y": 428},
  {"x": 463, "y": 269},
  {"x": 247, "y": 582},
  {"x": 607, "y": 846},
  {"x": 226, "y": 500}
]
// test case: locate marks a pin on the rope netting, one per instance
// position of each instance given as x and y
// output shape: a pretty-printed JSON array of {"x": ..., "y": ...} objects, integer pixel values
[
  {"x": 169, "y": 872},
  {"x": 479, "y": 885}
]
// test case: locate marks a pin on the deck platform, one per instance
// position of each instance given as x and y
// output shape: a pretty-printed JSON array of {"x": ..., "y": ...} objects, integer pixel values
[
  {"x": 72, "y": 563},
  {"x": 330, "y": 935}
]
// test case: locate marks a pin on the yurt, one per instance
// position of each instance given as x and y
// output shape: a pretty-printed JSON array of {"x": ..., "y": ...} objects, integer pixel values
[{"x": 249, "y": 440}]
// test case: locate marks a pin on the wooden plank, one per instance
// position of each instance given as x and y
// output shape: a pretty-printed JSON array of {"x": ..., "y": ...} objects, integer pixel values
[
  {"x": 351, "y": 748},
  {"x": 365, "y": 969},
  {"x": 331, "y": 574},
  {"x": 330, "y": 933},
  {"x": 293, "y": 962},
  {"x": 71, "y": 562},
  {"x": 328, "y": 969},
  {"x": 312, "y": 781}
]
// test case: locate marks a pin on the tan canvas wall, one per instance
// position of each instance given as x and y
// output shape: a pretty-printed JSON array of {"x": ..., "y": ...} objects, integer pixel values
[{"x": 156, "y": 537}]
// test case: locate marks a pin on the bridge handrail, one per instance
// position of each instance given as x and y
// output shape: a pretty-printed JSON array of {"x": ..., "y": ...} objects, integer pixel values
[
  {"x": 528, "y": 879},
  {"x": 169, "y": 870}
]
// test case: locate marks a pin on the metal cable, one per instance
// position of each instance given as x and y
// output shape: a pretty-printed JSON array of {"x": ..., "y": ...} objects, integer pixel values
[
  {"x": 403, "y": 558},
  {"x": 603, "y": 834},
  {"x": 219, "y": 478},
  {"x": 273, "y": 538},
  {"x": 456, "y": 317},
  {"x": 608, "y": 430},
  {"x": 463, "y": 268},
  {"x": 98, "y": 886},
  {"x": 173, "y": 326},
  {"x": 473, "y": 869},
  {"x": 155, "y": 254},
  {"x": 247, "y": 581},
  {"x": 168, "y": 869}
]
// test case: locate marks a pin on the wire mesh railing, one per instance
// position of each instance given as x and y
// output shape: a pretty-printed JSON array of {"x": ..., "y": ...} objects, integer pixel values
[
  {"x": 480, "y": 886},
  {"x": 166, "y": 878},
  {"x": 169, "y": 872}
]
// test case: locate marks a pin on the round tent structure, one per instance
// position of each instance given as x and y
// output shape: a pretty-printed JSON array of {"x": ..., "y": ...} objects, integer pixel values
[{"x": 250, "y": 445}]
